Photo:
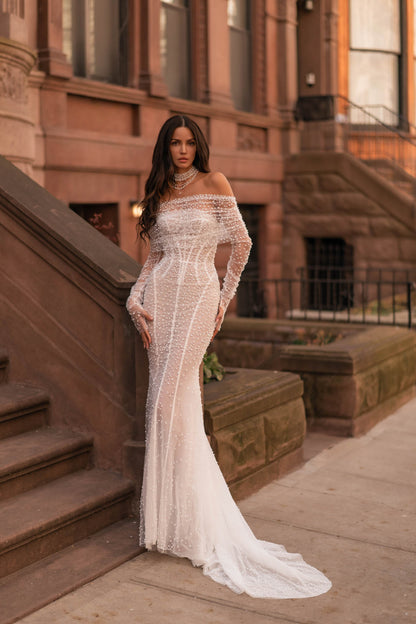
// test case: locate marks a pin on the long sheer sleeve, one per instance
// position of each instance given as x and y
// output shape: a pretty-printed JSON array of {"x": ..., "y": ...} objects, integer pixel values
[
  {"x": 134, "y": 302},
  {"x": 234, "y": 231}
]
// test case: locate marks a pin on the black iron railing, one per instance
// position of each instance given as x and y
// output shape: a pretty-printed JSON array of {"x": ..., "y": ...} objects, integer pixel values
[
  {"x": 378, "y": 136},
  {"x": 330, "y": 299}
]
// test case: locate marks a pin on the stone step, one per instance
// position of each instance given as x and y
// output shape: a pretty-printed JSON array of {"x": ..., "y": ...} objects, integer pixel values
[
  {"x": 386, "y": 172},
  {"x": 404, "y": 185},
  {"x": 41, "y": 583},
  {"x": 36, "y": 457},
  {"x": 4, "y": 363},
  {"x": 22, "y": 408},
  {"x": 51, "y": 517}
]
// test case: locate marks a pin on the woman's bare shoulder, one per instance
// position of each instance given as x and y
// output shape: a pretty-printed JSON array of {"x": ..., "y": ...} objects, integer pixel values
[{"x": 216, "y": 183}]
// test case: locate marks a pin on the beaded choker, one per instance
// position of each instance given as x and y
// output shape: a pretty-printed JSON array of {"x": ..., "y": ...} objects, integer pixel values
[{"x": 181, "y": 180}]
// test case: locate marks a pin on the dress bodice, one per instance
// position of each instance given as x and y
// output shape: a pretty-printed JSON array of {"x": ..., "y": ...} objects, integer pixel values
[{"x": 188, "y": 230}]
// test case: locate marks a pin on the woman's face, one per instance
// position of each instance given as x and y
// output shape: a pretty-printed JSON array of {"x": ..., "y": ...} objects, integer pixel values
[{"x": 182, "y": 149}]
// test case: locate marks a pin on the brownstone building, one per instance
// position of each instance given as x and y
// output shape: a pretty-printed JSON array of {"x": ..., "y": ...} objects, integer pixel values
[{"x": 293, "y": 96}]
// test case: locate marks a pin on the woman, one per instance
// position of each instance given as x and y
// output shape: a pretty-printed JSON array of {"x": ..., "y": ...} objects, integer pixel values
[{"x": 178, "y": 307}]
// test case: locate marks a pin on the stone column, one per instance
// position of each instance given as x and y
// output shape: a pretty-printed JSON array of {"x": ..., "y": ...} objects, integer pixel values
[
  {"x": 287, "y": 54},
  {"x": 318, "y": 44},
  {"x": 318, "y": 59},
  {"x": 219, "y": 91},
  {"x": 151, "y": 79},
  {"x": 331, "y": 46},
  {"x": 51, "y": 58},
  {"x": 17, "y": 139},
  {"x": 274, "y": 63}
]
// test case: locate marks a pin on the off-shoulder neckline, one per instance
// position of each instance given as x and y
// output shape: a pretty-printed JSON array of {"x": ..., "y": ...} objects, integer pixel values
[{"x": 207, "y": 195}]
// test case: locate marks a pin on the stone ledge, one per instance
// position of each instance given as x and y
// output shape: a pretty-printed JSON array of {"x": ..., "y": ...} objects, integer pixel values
[
  {"x": 351, "y": 355},
  {"x": 352, "y": 384},
  {"x": 246, "y": 392},
  {"x": 256, "y": 423}
]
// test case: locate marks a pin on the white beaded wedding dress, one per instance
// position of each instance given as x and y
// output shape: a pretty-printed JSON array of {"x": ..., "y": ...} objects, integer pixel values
[{"x": 186, "y": 507}]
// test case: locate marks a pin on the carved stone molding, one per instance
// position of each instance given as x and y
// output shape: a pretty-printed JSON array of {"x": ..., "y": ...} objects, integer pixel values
[
  {"x": 12, "y": 82},
  {"x": 16, "y": 61},
  {"x": 251, "y": 139}
]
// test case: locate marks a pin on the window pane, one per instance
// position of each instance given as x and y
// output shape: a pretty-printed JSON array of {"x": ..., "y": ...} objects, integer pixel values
[
  {"x": 374, "y": 79},
  {"x": 375, "y": 25},
  {"x": 73, "y": 21},
  {"x": 240, "y": 68},
  {"x": 103, "y": 43},
  {"x": 240, "y": 52},
  {"x": 67, "y": 29},
  {"x": 95, "y": 38},
  {"x": 174, "y": 49},
  {"x": 178, "y": 3},
  {"x": 238, "y": 13}
]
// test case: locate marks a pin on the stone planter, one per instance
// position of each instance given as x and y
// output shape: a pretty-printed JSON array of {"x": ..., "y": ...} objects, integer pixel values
[
  {"x": 256, "y": 423},
  {"x": 352, "y": 384}
]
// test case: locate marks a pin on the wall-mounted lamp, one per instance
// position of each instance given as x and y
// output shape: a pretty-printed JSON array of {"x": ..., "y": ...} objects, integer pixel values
[
  {"x": 310, "y": 79},
  {"x": 136, "y": 208},
  {"x": 308, "y": 5}
]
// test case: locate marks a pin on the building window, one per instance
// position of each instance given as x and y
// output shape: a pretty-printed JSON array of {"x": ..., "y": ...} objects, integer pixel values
[
  {"x": 175, "y": 47},
  {"x": 375, "y": 56},
  {"x": 250, "y": 295},
  {"x": 329, "y": 272},
  {"x": 95, "y": 38},
  {"x": 239, "y": 22},
  {"x": 103, "y": 217}
]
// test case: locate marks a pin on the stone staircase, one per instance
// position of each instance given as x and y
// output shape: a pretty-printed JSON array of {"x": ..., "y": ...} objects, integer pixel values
[
  {"x": 62, "y": 521},
  {"x": 393, "y": 173}
]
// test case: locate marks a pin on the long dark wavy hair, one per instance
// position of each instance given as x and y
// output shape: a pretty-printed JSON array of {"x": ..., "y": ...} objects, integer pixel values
[{"x": 161, "y": 174}]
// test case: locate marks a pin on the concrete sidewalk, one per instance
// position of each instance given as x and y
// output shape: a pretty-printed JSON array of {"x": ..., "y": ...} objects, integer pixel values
[{"x": 350, "y": 511}]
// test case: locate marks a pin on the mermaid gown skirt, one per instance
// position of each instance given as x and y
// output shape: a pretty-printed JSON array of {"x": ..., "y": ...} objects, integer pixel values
[{"x": 186, "y": 507}]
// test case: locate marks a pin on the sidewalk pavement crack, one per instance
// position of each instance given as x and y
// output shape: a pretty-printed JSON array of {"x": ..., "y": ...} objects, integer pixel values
[
  {"x": 338, "y": 535},
  {"x": 351, "y": 497},
  {"x": 216, "y": 601}
]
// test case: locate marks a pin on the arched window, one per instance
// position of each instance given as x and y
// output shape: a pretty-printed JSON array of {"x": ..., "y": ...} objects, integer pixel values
[
  {"x": 95, "y": 38},
  {"x": 175, "y": 46},
  {"x": 375, "y": 54},
  {"x": 239, "y": 22}
]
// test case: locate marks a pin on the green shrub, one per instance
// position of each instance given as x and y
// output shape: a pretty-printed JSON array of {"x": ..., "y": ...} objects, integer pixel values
[{"x": 212, "y": 368}]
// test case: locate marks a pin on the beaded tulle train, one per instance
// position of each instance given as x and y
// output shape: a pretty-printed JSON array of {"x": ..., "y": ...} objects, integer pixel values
[{"x": 186, "y": 507}]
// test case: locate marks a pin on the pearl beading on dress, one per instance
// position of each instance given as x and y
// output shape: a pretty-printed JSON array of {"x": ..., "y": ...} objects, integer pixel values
[{"x": 186, "y": 508}]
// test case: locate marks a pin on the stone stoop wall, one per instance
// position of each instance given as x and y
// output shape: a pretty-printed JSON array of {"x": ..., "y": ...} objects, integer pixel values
[
  {"x": 352, "y": 384},
  {"x": 63, "y": 288},
  {"x": 336, "y": 195},
  {"x": 256, "y": 424},
  {"x": 257, "y": 343}
]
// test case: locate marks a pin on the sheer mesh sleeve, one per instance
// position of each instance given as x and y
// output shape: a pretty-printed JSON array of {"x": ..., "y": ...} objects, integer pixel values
[
  {"x": 134, "y": 302},
  {"x": 234, "y": 231}
]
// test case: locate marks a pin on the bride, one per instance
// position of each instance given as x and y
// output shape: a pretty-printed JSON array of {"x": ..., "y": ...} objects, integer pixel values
[{"x": 177, "y": 306}]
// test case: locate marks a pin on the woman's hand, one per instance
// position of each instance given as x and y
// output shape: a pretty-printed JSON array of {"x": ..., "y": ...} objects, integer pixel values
[
  {"x": 139, "y": 317},
  {"x": 218, "y": 321},
  {"x": 144, "y": 329}
]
